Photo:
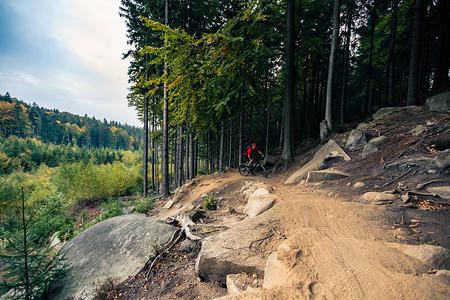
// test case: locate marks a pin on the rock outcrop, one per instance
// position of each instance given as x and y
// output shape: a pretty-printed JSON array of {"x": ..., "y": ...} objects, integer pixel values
[
  {"x": 258, "y": 202},
  {"x": 388, "y": 110},
  {"x": 327, "y": 151},
  {"x": 372, "y": 145},
  {"x": 439, "y": 103},
  {"x": 325, "y": 175},
  {"x": 357, "y": 139},
  {"x": 115, "y": 248},
  {"x": 230, "y": 251},
  {"x": 435, "y": 257}
]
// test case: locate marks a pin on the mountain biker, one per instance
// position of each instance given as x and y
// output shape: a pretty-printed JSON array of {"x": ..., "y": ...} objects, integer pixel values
[{"x": 249, "y": 151}]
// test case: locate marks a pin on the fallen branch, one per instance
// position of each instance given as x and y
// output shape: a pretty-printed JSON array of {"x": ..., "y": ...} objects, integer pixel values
[
  {"x": 422, "y": 185},
  {"x": 268, "y": 236},
  {"x": 424, "y": 194},
  {"x": 395, "y": 179}
]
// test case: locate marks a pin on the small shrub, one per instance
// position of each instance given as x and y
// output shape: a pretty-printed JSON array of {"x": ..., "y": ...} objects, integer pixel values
[
  {"x": 111, "y": 209},
  {"x": 107, "y": 290},
  {"x": 145, "y": 205},
  {"x": 210, "y": 203}
]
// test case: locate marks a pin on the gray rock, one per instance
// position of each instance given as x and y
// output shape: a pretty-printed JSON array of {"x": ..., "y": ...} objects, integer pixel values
[
  {"x": 117, "y": 248},
  {"x": 357, "y": 139},
  {"x": 169, "y": 204},
  {"x": 187, "y": 246},
  {"x": 439, "y": 103},
  {"x": 258, "y": 202},
  {"x": 279, "y": 271},
  {"x": 325, "y": 175},
  {"x": 442, "y": 191},
  {"x": 196, "y": 215},
  {"x": 372, "y": 146},
  {"x": 359, "y": 185},
  {"x": 378, "y": 198},
  {"x": 228, "y": 252},
  {"x": 329, "y": 150},
  {"x": 324, "y": 131},
  {"x": 422, "y": 162},
  {"x": 435, "y": 257},
  {"x": 129, "y": 209},
  {"x": 388, "y": 110},
  {"x": 418, "y": 130},
  {"x": 444, "y": 275}
]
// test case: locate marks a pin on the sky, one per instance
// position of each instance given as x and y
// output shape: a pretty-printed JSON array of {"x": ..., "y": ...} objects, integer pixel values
[{"x": 66, "y": 54}]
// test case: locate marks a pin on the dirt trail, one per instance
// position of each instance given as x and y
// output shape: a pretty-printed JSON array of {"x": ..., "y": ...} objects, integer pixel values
[{"x": 344, "y": 251}]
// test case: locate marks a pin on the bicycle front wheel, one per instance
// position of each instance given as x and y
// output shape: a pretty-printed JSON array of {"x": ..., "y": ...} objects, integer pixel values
[
  {"x": 243, "y": 170},
  {"x": 263, "y": 171}
]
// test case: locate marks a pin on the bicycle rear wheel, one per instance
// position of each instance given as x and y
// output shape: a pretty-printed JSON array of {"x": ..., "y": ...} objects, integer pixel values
[
  {"x": 263, "y": 171},
  {"x": 243, "y": 170}
]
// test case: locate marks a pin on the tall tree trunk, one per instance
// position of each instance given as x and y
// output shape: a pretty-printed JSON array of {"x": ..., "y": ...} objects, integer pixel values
[
  {"x": 365, "y": 105},
  {"x": 188, "y": 156},
  {"x": 153, "y": 153},
  {"x": 413, "y": 78},
  {"x": 192, "y": 159},
  {"x": 334, "y": 43},
  {"x": 345, "y": 64},
  {"x": 222, "y": 131},
  {"x": 268, "y": 123},
  {"x": 165, "y": 146},
  {"x": 157, "y": 167},
  {"x": 442, "y": 51},
  {"x": 230, "y": 145},
  {"x": 195, "y": 157},
  {"x": 145, "y": 158},
  {"x": 391, "y": 54},
  {"x": 208, "y": 152},
  {"x": 288, "y": 108},
  {"x": 241, "y": 133}
]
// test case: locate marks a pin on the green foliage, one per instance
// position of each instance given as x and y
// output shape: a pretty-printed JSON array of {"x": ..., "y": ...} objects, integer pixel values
[
  {"x": 20, "y": 119},
  {"x": 145, "y": 204},
  {"x": 111, "y": 209},
  {"x": 210, "y": 203},
  {"x": 29, "y": 264}
]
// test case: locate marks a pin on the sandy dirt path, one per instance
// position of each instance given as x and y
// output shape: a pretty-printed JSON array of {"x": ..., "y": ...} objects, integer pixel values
[{"x": 341, "y": 250}]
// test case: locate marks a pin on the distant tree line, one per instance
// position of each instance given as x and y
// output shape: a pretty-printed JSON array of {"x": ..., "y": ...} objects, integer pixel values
[
  {"x": 22, "y": 120},
  {"x": 208, "y": 78}
]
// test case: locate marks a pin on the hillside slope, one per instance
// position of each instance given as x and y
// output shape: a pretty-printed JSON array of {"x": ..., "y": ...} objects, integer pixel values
[{"x": 323, "y": 238}]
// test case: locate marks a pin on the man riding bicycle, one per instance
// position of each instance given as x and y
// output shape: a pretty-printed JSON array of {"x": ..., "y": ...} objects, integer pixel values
[{"x": 249, "y": 152}]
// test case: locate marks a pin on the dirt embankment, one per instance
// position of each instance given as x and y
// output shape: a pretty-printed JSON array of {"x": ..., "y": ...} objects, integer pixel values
[{"x": 325, "y": 240}]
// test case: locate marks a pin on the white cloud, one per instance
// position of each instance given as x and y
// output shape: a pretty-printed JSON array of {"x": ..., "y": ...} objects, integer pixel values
[{"x": 91, "y": 36}]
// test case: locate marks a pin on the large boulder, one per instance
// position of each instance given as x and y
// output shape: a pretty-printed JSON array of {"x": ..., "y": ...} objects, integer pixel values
[
  {"x": 324, "y": 131},
  {"x": 379, "y": 198},
  {"x": 232, "y": 251},
  {"x": 279, "y": 270},
  {"x": 435, "y": 257},
  {"x": 442, "y": 191},
  {"x": 357, "y": 139},
  {"x": 325, "y": 175},
  {"x": 388, "y": 110},
  {"x": 258, "y": 202},
  {"x": 439, "y": 103},
  {"x": 372, "y": 145},
  {"x": 115, "y": 248},
  {"x": 329, "y": 150}
]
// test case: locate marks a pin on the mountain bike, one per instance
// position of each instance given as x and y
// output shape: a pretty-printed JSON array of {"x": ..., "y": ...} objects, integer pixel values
[{"x": 255, "y": 165}]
